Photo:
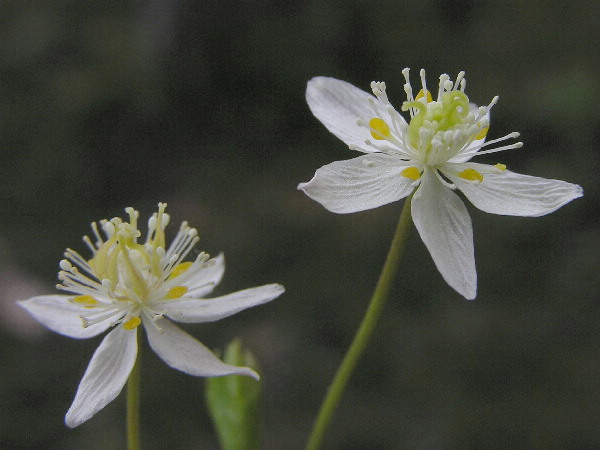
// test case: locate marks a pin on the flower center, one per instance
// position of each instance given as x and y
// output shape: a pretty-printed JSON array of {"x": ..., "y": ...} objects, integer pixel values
[
  {"x": 127, "y": 279},
  {"x": 441, "y": 128}
]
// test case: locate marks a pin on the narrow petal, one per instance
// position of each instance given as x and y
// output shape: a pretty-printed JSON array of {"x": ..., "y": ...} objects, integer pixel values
[
  {"x": 445, "y": 227},
  {"x": 62, "y": 316},
  {"x": 513, "y": 194},
  {"x": 105, "y": 376},
  {"x": 206, "y": 280},
  {"x": 182, "y": 352},
  {"x": 192, "y": 310},
  {"x": 358, "y": 184},
  {"x": 338, "y": 105}
]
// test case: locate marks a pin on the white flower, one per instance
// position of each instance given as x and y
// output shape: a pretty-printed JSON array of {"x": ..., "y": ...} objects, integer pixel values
[
  {"x": 430, "y": 154},
  {"x": 126, "y": 284}
]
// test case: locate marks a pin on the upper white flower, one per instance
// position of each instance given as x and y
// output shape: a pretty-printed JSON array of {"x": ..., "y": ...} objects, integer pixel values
[
  {"x": 126, "y": 284},
  {"x": 430, "y": 154}
]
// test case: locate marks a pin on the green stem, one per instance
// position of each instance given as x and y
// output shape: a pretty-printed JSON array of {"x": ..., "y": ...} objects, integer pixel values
[
  {"x": 133, "y": 405},
  {"x": 380, "y": 296}
]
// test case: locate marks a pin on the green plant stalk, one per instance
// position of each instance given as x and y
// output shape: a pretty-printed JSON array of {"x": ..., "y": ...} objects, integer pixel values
[
  {"x": 367, "y": 326},
  {"x": 133, "y": 405}
]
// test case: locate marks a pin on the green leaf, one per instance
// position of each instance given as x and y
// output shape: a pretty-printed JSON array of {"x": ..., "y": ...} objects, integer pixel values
[{"x": 234, "y": 403}]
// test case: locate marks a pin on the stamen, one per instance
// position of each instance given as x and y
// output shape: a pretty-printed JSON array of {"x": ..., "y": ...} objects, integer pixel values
[
  {"x": 89, "y": 243},
  {"x": 448, "y": 85},
  {"x": 407, "y": 86},
  {"x": 499, "y": 149},
  {"x": 108, "y": 228},
  {"x": 94, "y": 319},
  {"x": 500, "y": 166},
  {"x": 423, "y": 80},
  {"x": 99, "y": 240},
  {"x": 441, "y": 86},
  {"x": 133, "y": 216},
  {"x": 494, "y": 141},
  {"x": 459, "y": 80}
]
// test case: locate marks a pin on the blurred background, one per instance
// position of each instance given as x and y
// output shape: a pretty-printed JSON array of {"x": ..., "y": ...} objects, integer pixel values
[{"x": 201, "y": 105}]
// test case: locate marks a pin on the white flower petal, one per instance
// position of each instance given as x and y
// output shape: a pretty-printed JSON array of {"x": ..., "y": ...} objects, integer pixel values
[
  {"x": 338, "y": 105},
  {"x": 192, "y": 310},
  {"x": 105, "y": 376},
  {"x": 513, "y": 194},
  {"x": 182, "y": 352},
  {"x": 62, "y": 316},
  {"x": 205, "y": 281},
  {"x": 359, "y": 184},
  {"x": 445, "y": 227}
]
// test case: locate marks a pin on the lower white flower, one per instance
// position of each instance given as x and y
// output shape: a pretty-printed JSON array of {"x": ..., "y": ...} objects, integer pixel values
[
  {"x": 126, "y": 284},
  {"x": 430, "y": 154}
]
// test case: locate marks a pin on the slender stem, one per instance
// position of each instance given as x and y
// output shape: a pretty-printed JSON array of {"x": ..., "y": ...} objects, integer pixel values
[
  {"x": 133, "y": 405},
  {"x": 380, "y": 296}
]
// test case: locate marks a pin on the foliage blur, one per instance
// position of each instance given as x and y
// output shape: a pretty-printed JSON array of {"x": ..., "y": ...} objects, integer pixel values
[
  {"x": 201, "y": 105},
  {"x": 234, "y": 402}
]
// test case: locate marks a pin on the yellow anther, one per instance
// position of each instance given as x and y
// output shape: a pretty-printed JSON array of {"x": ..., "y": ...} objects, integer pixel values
[
  {"x": 179, "y": 269},
  {"x": 471, "y": 175},
  {"x": 176, "y": 292},
  {"x": 422, "y": 94},
  {"x": 502, "y": 167},
  {"x": 132, "y": 323},
  {"x": 411, "y": 173},
  {"x": 380, "y": 129},
  {"x": 86, "y": 300},
  {"x": 482, "y": 133}
]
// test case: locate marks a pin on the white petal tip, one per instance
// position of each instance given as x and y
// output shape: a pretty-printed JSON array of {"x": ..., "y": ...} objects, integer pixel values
[
  {"x": 74, "y": 422},
  {"x": 71, "y": 423},
  {"x": 251, "y": 373}
]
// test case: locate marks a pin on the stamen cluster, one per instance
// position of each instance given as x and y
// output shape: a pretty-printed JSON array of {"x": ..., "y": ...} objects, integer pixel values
[{"x": 125, "y": 279}]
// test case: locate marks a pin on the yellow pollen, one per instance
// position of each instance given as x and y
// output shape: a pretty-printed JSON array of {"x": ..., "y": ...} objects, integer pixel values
[
  {"x": 502, "y": 167},
  {"x": 411, "y": 173},
  {"x": 179, "y": 269},
  {"x": 471, "y": 175},
  {"x": 176, "y": 292},
  {"x": 86, "y": 300},
  {"x": 422, "y": 93},
  {"x": 381, "y": 129},
  {"x": 482, "y": 133},
  {"x": 132, "y": 323}
]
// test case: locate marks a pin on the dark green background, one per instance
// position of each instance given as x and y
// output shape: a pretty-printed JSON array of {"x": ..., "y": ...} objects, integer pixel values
[{"x": 201, "y": 105}]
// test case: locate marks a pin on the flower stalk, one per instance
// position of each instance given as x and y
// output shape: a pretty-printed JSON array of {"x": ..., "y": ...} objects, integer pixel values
[
  {"x": 365, "y": 331},
  {"x": 133, "y": 406}
]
